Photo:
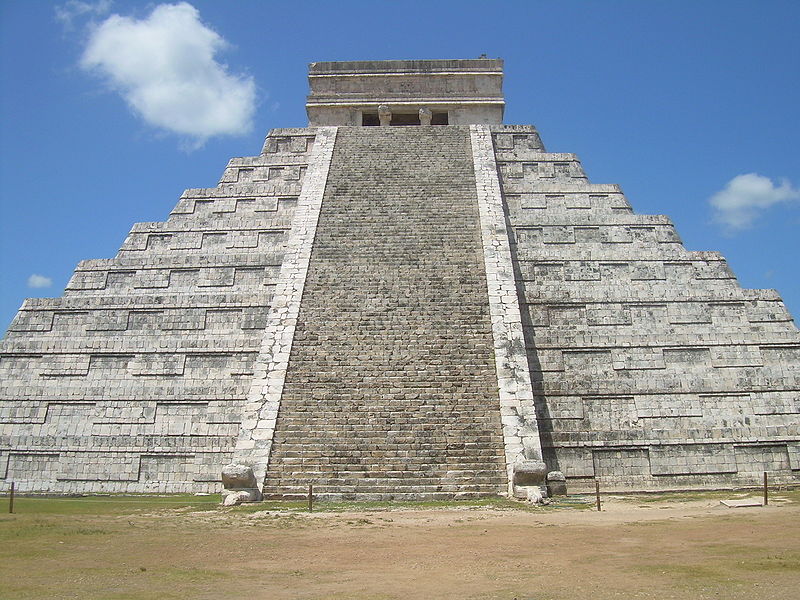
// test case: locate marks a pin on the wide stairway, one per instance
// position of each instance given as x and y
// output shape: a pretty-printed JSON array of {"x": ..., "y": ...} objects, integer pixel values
[{"x": 391, "y": 390}]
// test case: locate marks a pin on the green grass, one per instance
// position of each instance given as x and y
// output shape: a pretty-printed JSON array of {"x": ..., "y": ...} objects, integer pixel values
[
  {"x": 788, "y": 562},
  {"x": 778, "y": 495},
  {"x": 678, "y": 496},
  {"x": 92, "y": 505},
  {"x": 132, "y": 504},
  {"x": 138, "y": 504},
  {"x": 754, "y": 558},
  {"x": 38, "y": 527},
  {"x": 689, "y": 575},
  {"x": 726, "y": 569}
]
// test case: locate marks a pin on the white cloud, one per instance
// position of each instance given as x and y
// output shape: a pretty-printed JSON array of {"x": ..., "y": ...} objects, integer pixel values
[
  {"x": 164, "y": 68},
  {"x": 39, "y": 281},
  {"x": 73, "y": 9},
  {"x": 744, "y": 197}
]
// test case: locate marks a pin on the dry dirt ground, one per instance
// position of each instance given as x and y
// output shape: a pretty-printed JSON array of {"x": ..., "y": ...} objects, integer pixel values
[{"x": 673, "y": 546}]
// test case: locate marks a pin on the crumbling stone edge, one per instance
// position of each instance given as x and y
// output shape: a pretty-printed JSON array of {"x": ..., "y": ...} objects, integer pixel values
[
  {"x": 523, "y": 452},
  {"x": 269, "y": 372}
]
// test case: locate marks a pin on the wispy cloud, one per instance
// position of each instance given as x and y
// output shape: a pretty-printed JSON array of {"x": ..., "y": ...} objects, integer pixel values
[
  {"x": 39, "y": 281},
  {"x": 75, "y": 9},
  {"x": 164, "y": 67},
  {"x": 745, "y": 197}
]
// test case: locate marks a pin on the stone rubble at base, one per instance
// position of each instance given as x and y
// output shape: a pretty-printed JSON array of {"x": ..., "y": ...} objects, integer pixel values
[{"x": 506, "y": 321}]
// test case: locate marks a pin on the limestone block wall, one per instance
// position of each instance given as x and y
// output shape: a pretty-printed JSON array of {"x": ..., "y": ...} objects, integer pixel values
[
  {"x": 470, "y": 91},
  {"x": 521, "y": 436},
  {"x": 254, "y": 446},
  {"x": 372, "y": 344},
  {"x": 135, "y": 379},
  {"x": 652, "y": 367}
]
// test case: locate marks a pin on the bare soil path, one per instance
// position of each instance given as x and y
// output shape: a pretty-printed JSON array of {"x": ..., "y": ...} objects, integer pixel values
[{"x": 675, "y": 546}]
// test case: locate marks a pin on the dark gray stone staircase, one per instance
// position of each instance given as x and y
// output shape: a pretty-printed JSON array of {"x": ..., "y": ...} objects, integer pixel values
[{"x": 391, "y": 390}]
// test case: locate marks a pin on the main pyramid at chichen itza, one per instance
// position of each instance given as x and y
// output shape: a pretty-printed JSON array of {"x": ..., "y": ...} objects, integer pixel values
[{"x": 406, "y": 299}]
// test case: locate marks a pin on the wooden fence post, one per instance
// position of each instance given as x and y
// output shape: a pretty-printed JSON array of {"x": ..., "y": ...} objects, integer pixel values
[{"x": 597, "y": 492}]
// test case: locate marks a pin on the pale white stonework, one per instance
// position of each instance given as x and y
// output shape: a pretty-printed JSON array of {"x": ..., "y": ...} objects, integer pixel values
[
  {"x": 517, "y": 411},
  {"x": 650, "y": 366},
  {"x": 269, "y": 372}
]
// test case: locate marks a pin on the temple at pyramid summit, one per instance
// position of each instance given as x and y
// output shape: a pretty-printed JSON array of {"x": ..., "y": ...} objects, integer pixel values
[{"x": 407, "y": 299}]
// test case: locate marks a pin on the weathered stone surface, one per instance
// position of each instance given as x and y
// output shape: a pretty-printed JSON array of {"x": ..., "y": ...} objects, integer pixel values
[
  {"x": 270, "y": 366},
  {"x": 534, "y": 495},
  {"x": 136, "y": 379},
  {"x": 469, "y": 91},
  {"x": 391, "y": 389},
  {"x": 401, "y": 312},
  {"x": 518, "y": 413},
  {"x": 652, "y": 368},
  {"x": 384, "y": 115},
  {"x": 425, "y": 116},
  {"x": 556, "y": 484},
  {"x": 240, "y": 485},
  {"x": 235, "y": 497},
  {"x": 530, "y": 472},
  {"x": 236, "y": 476}
]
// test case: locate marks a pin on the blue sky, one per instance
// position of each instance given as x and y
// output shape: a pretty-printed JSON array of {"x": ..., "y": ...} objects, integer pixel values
[{"x": 678, "y": 102}]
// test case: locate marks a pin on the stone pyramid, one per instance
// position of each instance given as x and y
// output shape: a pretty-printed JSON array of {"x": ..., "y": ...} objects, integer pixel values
[{"x": 439, "y": 309}]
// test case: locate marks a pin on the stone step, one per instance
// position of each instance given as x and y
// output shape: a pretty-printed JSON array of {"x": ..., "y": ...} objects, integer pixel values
[
  {"x": 415, "y": 494},
  {"x": 392, "y": 366},
  {"x": 433, "y": 481}
]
